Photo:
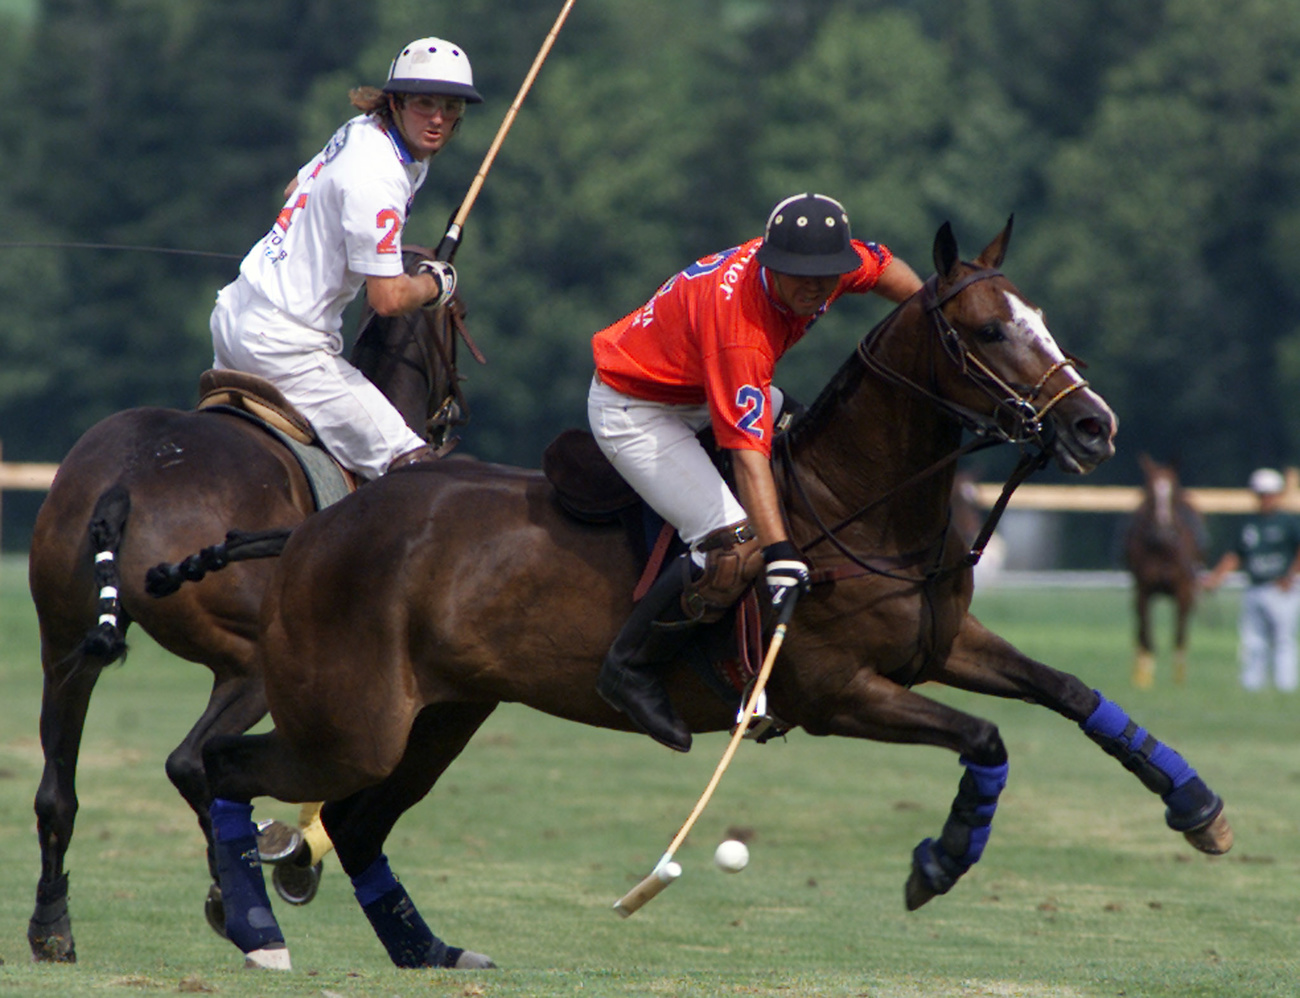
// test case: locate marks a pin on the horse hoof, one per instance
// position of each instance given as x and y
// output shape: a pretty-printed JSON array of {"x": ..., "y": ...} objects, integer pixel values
[
  {"x": 51, "y": 947},
  {"x": 296, "y": 884},
  {"x": 469, "y": 960},
  {"x": 273, "y": 957},
  {"x": 1214, "y": 838},
  {"x": 214, "y": 910},
  {"x": 917, "y": 892},
  {"x": 49, "y": 930},
  {"x": 1144, "y": 671},
  {"x": 276, "y": 841}
]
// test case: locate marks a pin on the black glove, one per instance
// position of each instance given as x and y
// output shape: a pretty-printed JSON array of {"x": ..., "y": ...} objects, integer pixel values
[
  {"x": 444, "y": 274},
  {"x": 786, "y": 571}
]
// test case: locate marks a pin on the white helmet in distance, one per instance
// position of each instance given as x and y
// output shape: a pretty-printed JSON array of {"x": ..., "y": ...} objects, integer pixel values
[
  {"x": 1267, "y": 482},
  {"x": 432, "y": 66}
]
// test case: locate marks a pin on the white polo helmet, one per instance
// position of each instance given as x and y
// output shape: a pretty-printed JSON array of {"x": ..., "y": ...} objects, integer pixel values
[
  {"x": 432, "y": 66},
  {"x": 1266, "y": 482}
]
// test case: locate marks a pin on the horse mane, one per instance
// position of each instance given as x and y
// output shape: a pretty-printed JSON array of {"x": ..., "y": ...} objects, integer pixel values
[{"x": 843, "y": 384}]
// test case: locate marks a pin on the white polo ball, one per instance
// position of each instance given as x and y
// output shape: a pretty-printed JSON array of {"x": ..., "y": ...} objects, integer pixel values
[{"x": 731, "y": 856}]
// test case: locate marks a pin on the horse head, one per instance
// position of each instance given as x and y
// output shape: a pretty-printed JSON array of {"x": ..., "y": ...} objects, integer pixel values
[
  {"x": 1009, "y": 379},
  {"x": 412, "y": 359}
]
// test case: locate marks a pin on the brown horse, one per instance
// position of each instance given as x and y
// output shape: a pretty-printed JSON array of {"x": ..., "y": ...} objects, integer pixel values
[
  {"x": 1164, "y": 550},
  {"x": 401, "y": 616},
  {"x": 147, "y": 485}
]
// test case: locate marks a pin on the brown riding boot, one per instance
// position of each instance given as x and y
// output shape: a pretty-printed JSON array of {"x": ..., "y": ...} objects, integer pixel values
[{"x": 422, "y": 453}]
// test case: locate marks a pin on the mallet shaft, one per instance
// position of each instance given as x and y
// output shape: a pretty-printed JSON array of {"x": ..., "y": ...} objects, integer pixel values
[
  {"x": 447, "y": 248},
  {"x": 656, "y": 881}
]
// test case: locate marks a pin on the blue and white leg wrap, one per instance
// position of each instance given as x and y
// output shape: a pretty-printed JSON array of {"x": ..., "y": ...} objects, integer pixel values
[
  {"x": 1190, "y": 803},
  {"x": 405, "y": 935},
  {"x": 250, "y": 923},
  {"x": 966, "y": 832}
]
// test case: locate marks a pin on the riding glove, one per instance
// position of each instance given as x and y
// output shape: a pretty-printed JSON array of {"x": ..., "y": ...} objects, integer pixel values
[
  {"x": 445, "y": 276},
  {"x": 786, "y": 571}
]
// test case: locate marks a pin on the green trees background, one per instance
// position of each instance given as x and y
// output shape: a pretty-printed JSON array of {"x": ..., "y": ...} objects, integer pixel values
[{"x": 1150, "y": 152}]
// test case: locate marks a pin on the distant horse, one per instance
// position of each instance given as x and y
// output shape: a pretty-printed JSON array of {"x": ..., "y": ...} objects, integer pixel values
[
  {"x": 147, "y": 485},
  {"x": 1163, "y": 549},
  {"x": 400, "y": 617}
]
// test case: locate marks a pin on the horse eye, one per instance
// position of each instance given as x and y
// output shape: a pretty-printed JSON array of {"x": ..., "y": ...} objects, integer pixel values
[{"x": 992, "y": 333}]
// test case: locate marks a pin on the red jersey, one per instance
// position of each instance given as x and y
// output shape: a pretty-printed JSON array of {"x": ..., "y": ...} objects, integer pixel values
[{"x": 713, "y": 333}]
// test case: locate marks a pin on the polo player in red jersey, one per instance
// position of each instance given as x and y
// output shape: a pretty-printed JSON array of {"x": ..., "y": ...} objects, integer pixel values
[{"x": 700, "y": 353}]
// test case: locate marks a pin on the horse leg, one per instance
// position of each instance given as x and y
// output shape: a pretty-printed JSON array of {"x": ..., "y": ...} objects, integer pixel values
[
  {"x": 982, "y": 662},
  {"x": 234, "y": 706},
  {"x": 1184, "y": 598},
  {"x": 1144, "y": 663},
  {"x": 877, "y": 708},
  {"x": 360, "y": 824},
  {"x": 239, "y": 768},
  {"x": 64, "y": 703},
  {"x": 72, "y": 658}
]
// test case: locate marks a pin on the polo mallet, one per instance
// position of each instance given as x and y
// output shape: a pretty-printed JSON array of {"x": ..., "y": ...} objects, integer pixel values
[
  {"x": 666, "y": 870},
  {"x": 447, "y": 248}
]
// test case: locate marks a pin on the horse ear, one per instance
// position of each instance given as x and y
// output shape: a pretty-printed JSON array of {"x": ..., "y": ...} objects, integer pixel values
[
  {"x": 945, "y": 251},
  {"x": 996, "y": 251}
]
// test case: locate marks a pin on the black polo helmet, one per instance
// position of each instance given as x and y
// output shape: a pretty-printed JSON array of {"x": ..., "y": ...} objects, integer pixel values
[{"x": 808, "y": 235}]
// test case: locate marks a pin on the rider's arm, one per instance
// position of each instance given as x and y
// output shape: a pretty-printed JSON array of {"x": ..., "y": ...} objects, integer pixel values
[
  {"x": 897, "y": 281},
  {"x": 401, "y": 294},
  {"x": 757, "y": 493},
  {"x": 1230, "y": 562}
]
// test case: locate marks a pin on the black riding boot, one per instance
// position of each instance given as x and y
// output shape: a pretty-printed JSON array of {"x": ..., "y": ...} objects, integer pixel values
[{"x": 630, "y": 677}]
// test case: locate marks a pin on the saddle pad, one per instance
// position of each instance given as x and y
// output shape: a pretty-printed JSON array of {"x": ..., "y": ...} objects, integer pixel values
[{"x": 329, "y": 482}]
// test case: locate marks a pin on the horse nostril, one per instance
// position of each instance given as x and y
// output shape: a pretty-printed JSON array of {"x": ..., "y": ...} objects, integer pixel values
[{"x": 1095, "y": 428}]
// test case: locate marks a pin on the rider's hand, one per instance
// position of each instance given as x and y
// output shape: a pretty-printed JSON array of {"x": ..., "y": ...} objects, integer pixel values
[
  {"x": 786, "y": 571},
  {"x": 444, "y": 274}
]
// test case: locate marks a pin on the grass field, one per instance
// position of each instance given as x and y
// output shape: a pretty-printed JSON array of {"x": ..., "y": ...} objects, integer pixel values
[{"x": 535, "y": 832}]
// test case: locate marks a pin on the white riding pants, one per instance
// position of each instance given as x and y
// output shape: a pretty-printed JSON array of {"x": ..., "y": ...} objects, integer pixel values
[
  {"x": 653, "y": 446},
  {"x": 1267, "y": 633},
  {"x": 353, "y": 419}
]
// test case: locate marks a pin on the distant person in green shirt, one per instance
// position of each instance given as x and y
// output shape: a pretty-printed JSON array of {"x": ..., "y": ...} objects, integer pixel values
[{"x": 1268, "y": 549}]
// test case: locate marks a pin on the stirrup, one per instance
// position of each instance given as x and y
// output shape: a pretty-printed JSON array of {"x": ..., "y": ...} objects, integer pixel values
[{"x": 760, "y": 721}]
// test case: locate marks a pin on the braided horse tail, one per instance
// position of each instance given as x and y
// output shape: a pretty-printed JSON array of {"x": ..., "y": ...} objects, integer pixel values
[{"x": 107, "y": 639}]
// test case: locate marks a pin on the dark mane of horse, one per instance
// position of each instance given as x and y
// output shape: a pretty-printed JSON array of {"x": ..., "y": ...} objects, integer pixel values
[{"x": 844, "y": 383}]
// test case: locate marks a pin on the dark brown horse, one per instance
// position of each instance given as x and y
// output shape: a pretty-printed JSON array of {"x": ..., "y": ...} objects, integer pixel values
[
  {"x": 399, "y": 618},
  {"x": 149, "y": 485},
  {"x": 1164, "y": 551}
]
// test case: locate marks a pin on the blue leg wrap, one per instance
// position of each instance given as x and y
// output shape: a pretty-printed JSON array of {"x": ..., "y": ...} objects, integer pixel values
[
  {"x": 250, "y": 923},
  {"x": 392, "y": 914},
  {"x": 966, "y": 832},
  {"x": 1163, "y": 771}
]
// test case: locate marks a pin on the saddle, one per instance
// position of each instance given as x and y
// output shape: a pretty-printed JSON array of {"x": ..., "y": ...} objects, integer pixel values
[
  {"x": 729, "y": 653},
  {"x": 259, "y": 401},
  {"x": 256, "y": 396}
]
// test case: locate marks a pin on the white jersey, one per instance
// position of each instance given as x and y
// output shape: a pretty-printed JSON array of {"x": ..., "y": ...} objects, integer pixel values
[{"x": 341, "y": 224}]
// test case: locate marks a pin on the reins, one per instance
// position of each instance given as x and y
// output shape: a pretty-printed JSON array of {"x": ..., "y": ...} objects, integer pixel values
[{"x": 1027, "y": 427}]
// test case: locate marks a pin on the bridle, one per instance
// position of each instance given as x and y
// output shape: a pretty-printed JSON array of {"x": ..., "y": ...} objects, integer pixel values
[
  {"x": 452, "y": 410},
  {"x": 1016, "y": 416},
  {"x": 1016, "y": 419},
  {"x": 434, "y": 332}
]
